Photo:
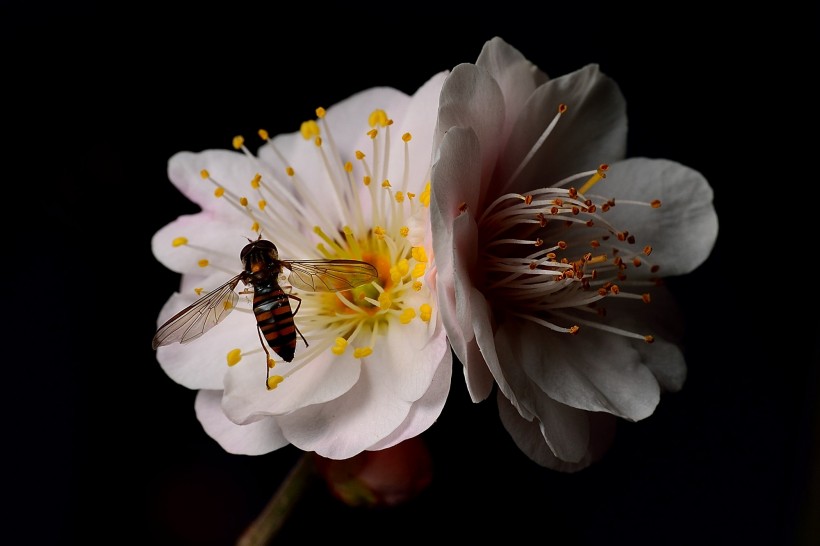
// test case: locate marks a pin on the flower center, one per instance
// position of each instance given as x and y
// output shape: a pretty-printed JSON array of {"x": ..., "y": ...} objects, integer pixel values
[{"x": 552, "y": 252}]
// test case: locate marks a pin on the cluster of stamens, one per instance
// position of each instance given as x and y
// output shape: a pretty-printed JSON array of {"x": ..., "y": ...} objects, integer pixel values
[{"x": 552, "y": 252}]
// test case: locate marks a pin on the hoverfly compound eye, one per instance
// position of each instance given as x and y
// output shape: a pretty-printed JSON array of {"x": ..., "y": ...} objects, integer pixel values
[{"x": 245, "y": 251}]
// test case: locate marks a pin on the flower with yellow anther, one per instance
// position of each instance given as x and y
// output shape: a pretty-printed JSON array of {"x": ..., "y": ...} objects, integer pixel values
[
  {"x": 536, "y": 218},
  {"x": 376, "y": 367}
]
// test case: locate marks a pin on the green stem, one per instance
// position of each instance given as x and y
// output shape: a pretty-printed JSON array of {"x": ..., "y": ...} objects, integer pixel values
[{"x": 273, "y": 516}]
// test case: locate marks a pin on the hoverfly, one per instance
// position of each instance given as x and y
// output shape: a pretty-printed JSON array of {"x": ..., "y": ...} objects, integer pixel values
[{"x": 271, "y": 305}]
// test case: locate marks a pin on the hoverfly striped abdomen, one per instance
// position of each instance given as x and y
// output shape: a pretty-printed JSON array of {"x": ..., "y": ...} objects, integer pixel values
[{"x": 275, "y": 319}]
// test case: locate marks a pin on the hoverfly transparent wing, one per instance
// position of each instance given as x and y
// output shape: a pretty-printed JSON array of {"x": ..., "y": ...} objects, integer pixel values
[
  {"x": 329, "y": 275},
  {"x": 200, "y": 316}
]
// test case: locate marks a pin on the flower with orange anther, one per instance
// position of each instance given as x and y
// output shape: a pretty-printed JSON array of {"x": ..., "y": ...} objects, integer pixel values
[
  {"x": 352, "y": 184},
  {"x": 548, "y": 245}
]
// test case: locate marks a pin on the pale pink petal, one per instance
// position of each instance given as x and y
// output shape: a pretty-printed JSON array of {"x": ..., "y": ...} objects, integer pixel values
[
  {"x": 592, "y": 370},
  {"x": 592, "y": 131},
  {"x": 471, "y": 98},
  {"x": 527, "y": 436},
  {"x": 255, "y": 438},
  {"x": 516, "y": 76},
  {"x": 683, "y": 230}
]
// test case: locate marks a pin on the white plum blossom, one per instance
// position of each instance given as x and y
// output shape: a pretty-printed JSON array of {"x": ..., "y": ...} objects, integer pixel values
[
  {"x": 550, "y": 246},
  {"x": 353, "y": 183}
]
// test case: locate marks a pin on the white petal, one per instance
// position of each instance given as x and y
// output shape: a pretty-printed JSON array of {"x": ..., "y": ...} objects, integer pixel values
[
  {"x": 324, "y": 378},
  {"x": 591, "y": 370},
  {"x": 208, "y": 238},
  {"x": 229, "y": 169},
  {"x": 411, "y": 353},
  {"x": 425, "y": 410},
  {"x": 527, "y": 436},
  {"x": 419, "y": 119},
  {"x": 346, "y": 426},
  {"x": 592, "y": 131},
  {"x": 683, "y": 230},
  {"x": 255, "y": 438},
  {"x": 202, "y": 363}
]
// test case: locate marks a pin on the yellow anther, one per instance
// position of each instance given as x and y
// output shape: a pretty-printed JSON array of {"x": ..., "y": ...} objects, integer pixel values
[
  {"x": 179, "y": 241},
  {"x": 403, "y": 266},
  {"x": 219, "y": 192},
  {"x": 262, "y": 204},
  {"x": 243, "y": 201},
  {"x": 273, "y": 381},
  {"x": 255, "y": 227},
  {"x": 395, "y": 276},
  {"x": 419, "y": 254},
  {"x": 404, "y": 230},
  {"x": 372, "y": 133},
  {"x": 256, "y": 181},
  {"x": 289, "y": 171},
  {"x": 385, "y": 301},
  {"x": 378, "y": 117},
  {"x": 271, "y": 363},
  {"x": 407, "y": 315},
  {"x": 410, "y": 195},
  {"x": 263, "y": 134},
  {"x": 425, "y": 196},
  {"x": 233, "y": 357},
  {"x": 339, "y": 346},
  {"x": 198, "y": 291},
  {"x": 320, "y": 112},
  {"x": 425, "y": 312},
  {"x": 202, "y": 263},
  {"x": 361, "y": 352},
  {"x": 386, "y": 183},
  {"x": 418, "y": 270},
  {"x": 318, "y": 141},
  {"x": 399, "y": 197},
  {"x": 366, "y": 180},
  {"x": 309, "y": 129},
  {"x": 407, "y": 137},
  {"x": 359, "y": 155},
  {"x": 348, "y": 167},
  {"x": 238, "y": 141},
  {"x": 379, "y": 232},
  {"x": 417, "y": 286},
  {"x": 204, "y": 174}
]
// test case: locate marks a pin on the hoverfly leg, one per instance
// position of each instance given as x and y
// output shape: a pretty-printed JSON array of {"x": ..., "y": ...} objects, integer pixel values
[
  {"x": 298, "y": 305},
  {"x": 268, "y": 360}
]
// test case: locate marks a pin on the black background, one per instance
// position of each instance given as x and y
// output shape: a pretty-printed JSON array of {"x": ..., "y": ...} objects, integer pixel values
[{"x": 101, "y": 446}]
